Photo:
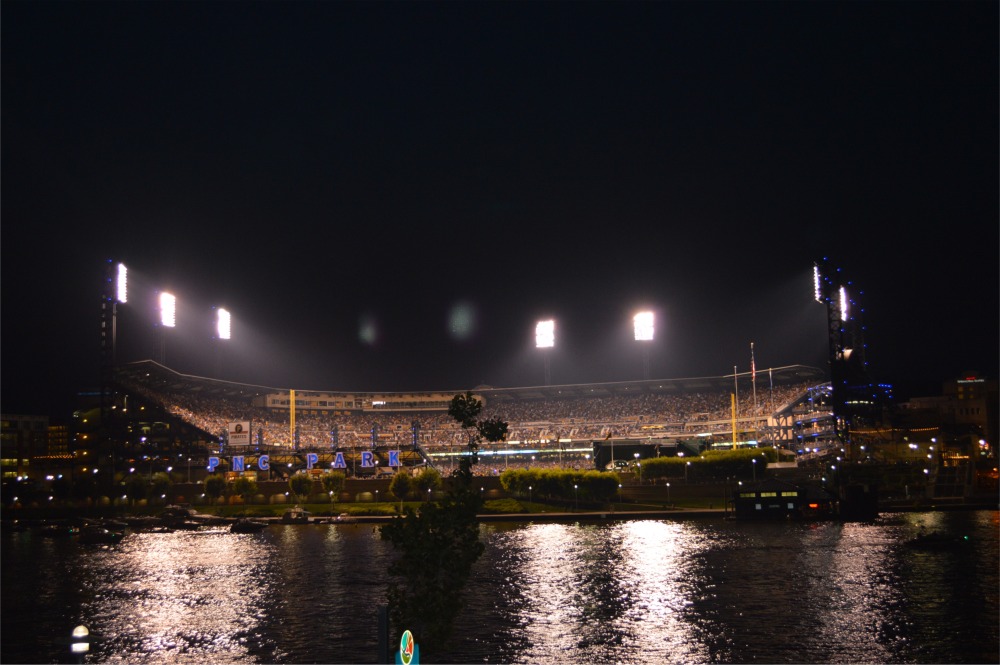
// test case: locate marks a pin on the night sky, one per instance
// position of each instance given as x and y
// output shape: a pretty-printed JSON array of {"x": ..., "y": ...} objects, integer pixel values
[{"x": 388, "y": 196}]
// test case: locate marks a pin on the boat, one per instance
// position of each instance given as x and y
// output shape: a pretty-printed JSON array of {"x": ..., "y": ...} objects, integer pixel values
[
  {"x": 247, "y": 525},
  {"x": 99, "y": 535},
  {"x": 344, "y": 518},
  {"x": 58, "y": 530},
  {"x": 296, "y": 515}
]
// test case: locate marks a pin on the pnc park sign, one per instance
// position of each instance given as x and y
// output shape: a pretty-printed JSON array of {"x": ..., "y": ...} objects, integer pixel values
[{"x": 238, "y": 462}]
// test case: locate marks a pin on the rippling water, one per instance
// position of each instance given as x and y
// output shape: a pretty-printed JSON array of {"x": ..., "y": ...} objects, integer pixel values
[{"x": 644, "y": 591}]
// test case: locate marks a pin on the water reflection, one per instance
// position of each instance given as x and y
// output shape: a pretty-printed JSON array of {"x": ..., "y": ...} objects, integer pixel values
[
  {"x": 178, "y": 597},
  {"x": 646, "y": 591}
]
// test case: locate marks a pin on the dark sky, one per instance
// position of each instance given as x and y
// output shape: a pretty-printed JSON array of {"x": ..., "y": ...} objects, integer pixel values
[{"x": 347, "y": 177}]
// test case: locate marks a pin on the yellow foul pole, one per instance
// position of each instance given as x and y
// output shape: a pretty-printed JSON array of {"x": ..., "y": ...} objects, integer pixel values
[{"x": 291, "y": 418}]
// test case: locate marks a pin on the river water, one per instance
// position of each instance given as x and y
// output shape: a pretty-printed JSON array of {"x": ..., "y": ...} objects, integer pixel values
[{"x": 701, "y": 590}]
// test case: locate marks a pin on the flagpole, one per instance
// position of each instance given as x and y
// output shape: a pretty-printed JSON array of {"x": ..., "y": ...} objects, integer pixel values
[{"x": 753, "y": 383}]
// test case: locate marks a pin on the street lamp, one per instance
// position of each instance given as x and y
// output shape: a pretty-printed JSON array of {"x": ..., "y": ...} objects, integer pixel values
[
  {"x": 376, "y": 497},
  {"x": 687, "y": 465},
  {"x": 529, "y": 493},
  {"x": 576, "y": 499},
  {"x": 668, "y": 492},
  {"x": 754, "y": 462}
]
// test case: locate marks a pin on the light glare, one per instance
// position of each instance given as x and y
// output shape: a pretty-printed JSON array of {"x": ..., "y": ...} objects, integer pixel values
[
  {"x": 643, "y": 326},
  {"x": 843, "y": 304},
  {"x": 223, "y": 324},
  {"x": 122, "y": 294},
  {"x": 817, "y": 294},
  {"x": 545, "y": 334},
  {"x": 168, "y": 310}
]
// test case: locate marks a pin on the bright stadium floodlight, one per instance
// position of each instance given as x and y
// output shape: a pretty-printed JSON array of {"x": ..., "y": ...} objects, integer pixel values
[
  {"x": 843, "y": 304},
  {"x": 168, "y": 310},
  {"x": 545, "y": 334},
  {"x": 122, "y": 284},
  {"x": 643, "y": 326},
  {"x": 223, "y": 324},
  {"x": 817, "y": 290},
  {"x": 545, "y": 338},
  {"x": 643, "y": 323}
]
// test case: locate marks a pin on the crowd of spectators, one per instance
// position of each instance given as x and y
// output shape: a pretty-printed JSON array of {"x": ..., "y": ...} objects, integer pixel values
[{"x": 566, "y": 423}]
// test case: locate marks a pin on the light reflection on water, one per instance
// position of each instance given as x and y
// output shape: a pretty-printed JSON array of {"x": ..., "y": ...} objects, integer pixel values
[
  {"x": 645, "y": 591},
  {"x": 183, "y": 597}
]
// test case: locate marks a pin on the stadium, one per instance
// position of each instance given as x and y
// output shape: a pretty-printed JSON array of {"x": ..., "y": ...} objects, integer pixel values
[{"x": 371, "y": 434}]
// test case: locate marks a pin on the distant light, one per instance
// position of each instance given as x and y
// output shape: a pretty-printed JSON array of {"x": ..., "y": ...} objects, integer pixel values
[
  {"x": 122, "y": 292},
  {"x": 643, "y": 322},
  {"x": 817, "y": 292},
  {"x": 223, "y": 324},
  {"x": 545, "y": 334},
  {"x": 843, "y": 304},
  {"x": 168, "y": 310},
  {"x": 462, "y": 320}
]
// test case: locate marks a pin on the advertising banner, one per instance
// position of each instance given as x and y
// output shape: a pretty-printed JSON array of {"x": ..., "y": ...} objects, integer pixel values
[{"x": 239, "y": 433}]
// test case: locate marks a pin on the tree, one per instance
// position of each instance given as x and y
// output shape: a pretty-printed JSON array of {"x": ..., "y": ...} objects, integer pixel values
[
  {"x": 427, "y": 481},
  {"x": 160, "y": 484},
  {"x": 401, "y": 486},
  {"x": 301, "y": 486},
  {"x": 333, "y": 482},
  {"x": 136, "y": 487},
  {"x": 438, "y": 545},
  {"x": 215, "y": 486},
  {"x": 245, "y": 487}
]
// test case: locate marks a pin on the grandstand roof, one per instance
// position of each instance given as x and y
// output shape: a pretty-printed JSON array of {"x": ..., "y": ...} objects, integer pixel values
[{"x": 160, "y": 378}]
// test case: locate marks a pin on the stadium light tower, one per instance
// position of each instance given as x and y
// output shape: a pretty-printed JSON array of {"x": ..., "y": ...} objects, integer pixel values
[
  {"x": 223, "y": 323},
  {"x": 115, "y": 291},
  {"x": 223, "y": 332},
  {"x": 117, "y": 275},
  {"x": 643, "y": 325},
  {"x": 545, "y": 338},
  {"x": 168, "y": 319},
  {"x": 852, "y": 392}
]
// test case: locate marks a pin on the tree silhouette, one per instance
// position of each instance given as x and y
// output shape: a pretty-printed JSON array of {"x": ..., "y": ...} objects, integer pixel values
[{"x": 438, "y": 545}]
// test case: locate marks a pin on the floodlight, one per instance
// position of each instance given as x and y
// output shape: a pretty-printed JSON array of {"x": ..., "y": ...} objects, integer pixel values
[
  {"x": 817, "y": 293},
  {"x": 223, "y": 324},
  {"x": 843, "y": 304},
  {"x": 545, "y": 334},
  {"x": 643, "y": 326},
  {"x": 122, "y": 291},
  {"x": 168, "y": 310}
]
